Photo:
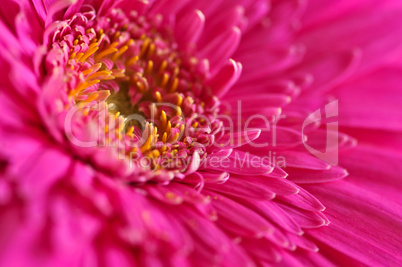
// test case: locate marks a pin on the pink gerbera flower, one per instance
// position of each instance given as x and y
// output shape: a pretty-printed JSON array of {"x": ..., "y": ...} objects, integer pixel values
[{"x": 174, "y": 133}]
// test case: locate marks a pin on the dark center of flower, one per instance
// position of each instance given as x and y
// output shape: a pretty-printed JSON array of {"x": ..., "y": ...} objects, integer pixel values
[{"x": 154, "y": 94}]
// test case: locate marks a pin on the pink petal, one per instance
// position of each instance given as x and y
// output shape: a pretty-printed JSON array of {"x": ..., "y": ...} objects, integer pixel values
[
  {"x": 221, "y": 48},
  {"x": 379, "y": 91},
  {"x": 304, "y": 200},
  {"x": 305, "y": 218},
  {"x": 260, "y": 100},
  {"x": 377, "y": 35},
  {"x": 277, "y": 185},
  {"x": 241, "y": 189},
  {"x": 239, "y": 163},
  {"x": 302, "y": 160},
  {"x": 167, "y": 7},
  {"x": 237, "y": 139},
  {"x": 373, "y": 219},
  {"x": 306, "y": 176},
  {"x": 224, "y": 20},
  {"x": 189, "y": 28},
  {"x": 225, "y": 78},
  {"x": 238, "y": 219}
]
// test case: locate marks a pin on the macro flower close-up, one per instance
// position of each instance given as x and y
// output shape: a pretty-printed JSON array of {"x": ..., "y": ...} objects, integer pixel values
[{"x": 200, "y": 133}]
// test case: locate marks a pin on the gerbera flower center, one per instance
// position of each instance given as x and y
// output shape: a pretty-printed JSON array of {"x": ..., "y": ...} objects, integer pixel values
[{"x": 131, "y": 67}]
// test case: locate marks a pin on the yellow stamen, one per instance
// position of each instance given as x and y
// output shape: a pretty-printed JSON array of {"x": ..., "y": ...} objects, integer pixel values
[
  {"x": 147, "y": 144},
  {"x": 132, "y": 60},
  {"x": 179, "y": 112},
  {"x": 86, "y": 72},
  {"x": 91, "y": 69},
  {"x": 168, "y": 127},
  {"x": 158, "y": 97},
  {"x": 174, "y": 85},
  {"x": 121, "y": 127},
  {"x": 120, "y": 52},
  {"x": 164, "y": 137},
  {"x": 91, "y": 97},
  {"x": 93, "y": 45},
  {"x": 130, "y": 42},
  {"x": 89, "y": 53},
  {"x": 151, "y": 50},
  {"x": 144, "y": 46},
  {"x": 78, "y": 57},
  {"x": 119, "y": 73},
  {"x": 190, "y": 100},
  {"x": 141, "y": 87},
  {"x": 163, "y": 119},
  {"x": 149, "y": 67},
  {"x": 130, "y": 131},
  {"x": 110, "y": 77},
  {"x": 156, "y": 153},
  {"x": 99, "y": 73},
  {"x": 165, "y": 79},
  {"x": 179, "y": 100},
  {"x": 83, "y": 86},
  {"x": 163, "y": 66},
  {"x": 175, "y": 137},
  {"x": 110, "y": 50},
  {"x": 176, "y": 71}
]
